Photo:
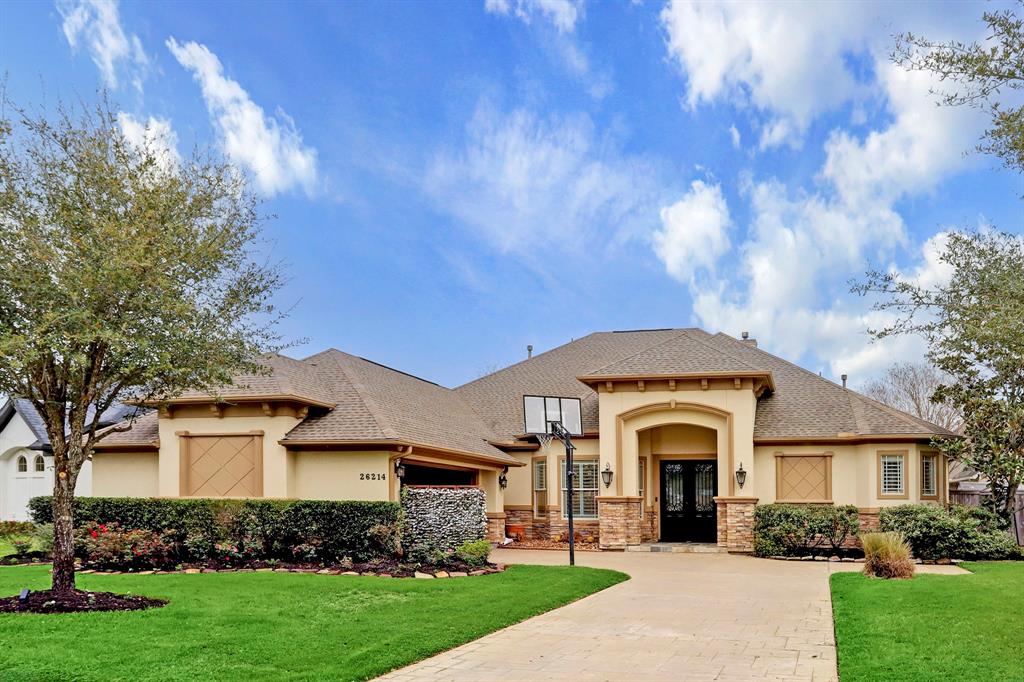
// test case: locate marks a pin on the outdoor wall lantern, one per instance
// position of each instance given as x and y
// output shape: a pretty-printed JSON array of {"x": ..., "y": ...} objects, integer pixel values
[
  {"x": 399, "y": 469},
  {"x": 741, "y": 476},
  {"x": 607, "y": 474},
  {"x": 503, "y": 479}
]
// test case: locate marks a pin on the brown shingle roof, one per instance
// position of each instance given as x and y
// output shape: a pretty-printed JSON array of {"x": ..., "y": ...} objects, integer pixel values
[
  {"x": 375, "y": 402},
  {"x": 287, "y": 377},
  {"x": 144, "y": 432},
  {"x": 805, "y": 405},
  {"x": 685, "y": 353},
  {"x": 498, "y": 397}
]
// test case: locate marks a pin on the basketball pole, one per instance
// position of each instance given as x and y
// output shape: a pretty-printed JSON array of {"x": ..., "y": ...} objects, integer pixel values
[{"x": 562, "y": 434}]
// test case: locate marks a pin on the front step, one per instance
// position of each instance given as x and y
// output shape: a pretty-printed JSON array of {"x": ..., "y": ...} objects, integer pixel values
[{"x": 680, "y": 547}]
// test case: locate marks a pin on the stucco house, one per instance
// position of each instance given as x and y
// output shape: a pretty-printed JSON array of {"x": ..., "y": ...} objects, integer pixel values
[
  {"x": 26, "y": 458},
  {"x": 695, "y": 429}
]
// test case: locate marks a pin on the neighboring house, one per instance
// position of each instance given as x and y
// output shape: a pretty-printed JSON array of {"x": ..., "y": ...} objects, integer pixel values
[
  {"x": 694, "y": 428},
  {"x": 26, "y": 459}
]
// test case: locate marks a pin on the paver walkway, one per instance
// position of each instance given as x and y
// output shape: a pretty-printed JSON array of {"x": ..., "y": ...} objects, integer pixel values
[{"x": 681, "y": 617}]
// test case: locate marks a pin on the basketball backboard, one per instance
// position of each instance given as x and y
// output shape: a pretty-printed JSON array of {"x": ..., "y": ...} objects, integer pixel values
[{"x": 539, "y": 411}]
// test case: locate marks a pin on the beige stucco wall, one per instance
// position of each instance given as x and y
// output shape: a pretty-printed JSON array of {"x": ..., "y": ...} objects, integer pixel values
[
  {"x": 125, "y": 474},
  {"x": 335, "y": 475},
  {"x": 854, "y": 472},
  {"x": 739, "y": 403},
  {"x": 275, "y": 457},
  {"x": 519, "y": 492}
]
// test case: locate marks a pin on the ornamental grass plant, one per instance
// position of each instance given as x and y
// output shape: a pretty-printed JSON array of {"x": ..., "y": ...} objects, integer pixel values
[{"x": 887, "y": 555}]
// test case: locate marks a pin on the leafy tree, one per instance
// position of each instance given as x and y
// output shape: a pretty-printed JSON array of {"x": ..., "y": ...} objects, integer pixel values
[
  {"x": 909, "y": 386},
  {"x": 984, "y": 73},
  {"x": 974, "y": 328},
  {"x": 125, "y": 274}
]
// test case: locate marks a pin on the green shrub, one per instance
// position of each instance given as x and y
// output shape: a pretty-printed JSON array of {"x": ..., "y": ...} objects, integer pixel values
[
  {"x": 887, "y": 555},
  {"x": 14, "y": 529},
  {"x": 22, "y": 546},
  {"x": 799, "y": 529},
  {"x": 43, "y": 537},
  {"x": 360, "y": 530},
  {"x": 474, "y": 553},
  {"x": 957, "y": 532}
]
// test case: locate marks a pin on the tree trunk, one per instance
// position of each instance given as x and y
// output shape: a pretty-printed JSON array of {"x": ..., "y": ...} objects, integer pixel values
[{"x": 63, "y": 534}]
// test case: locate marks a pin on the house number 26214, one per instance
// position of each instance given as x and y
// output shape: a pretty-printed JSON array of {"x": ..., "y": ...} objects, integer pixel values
[{"x": 372, "y": 477}]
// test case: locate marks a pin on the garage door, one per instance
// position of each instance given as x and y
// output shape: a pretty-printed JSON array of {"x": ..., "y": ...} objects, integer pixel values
[{"x": 222, "y": 466}]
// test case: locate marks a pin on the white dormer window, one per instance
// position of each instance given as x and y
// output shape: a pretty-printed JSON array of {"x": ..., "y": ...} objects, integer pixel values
[{"x": 22, "y": 464}]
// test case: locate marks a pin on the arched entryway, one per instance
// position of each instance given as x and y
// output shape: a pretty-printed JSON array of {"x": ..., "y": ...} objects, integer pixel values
[{"x": 683, "y": 461}]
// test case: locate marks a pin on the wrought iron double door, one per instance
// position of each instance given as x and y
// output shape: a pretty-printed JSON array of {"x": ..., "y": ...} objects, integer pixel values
[{"x": 688, "y": 511}]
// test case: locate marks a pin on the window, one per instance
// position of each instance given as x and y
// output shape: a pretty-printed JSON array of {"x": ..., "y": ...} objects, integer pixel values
[
  {"x": 641, "y": 479},
  {"x": 584, "y": 486},
  {"x": 892, "y": 475},
  {"x": 40, "y": 463},
  {"x": 22, "y": 464},
  {"x": 540, "y": 487},
  {"x": 929, "y": 475}
]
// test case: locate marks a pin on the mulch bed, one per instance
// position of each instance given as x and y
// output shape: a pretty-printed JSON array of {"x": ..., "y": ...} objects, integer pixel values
[
  {"x": 77, "y": 601},
  {"x": 551, "y": 544}
]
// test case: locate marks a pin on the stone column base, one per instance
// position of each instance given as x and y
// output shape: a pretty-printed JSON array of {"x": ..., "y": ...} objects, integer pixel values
[
  {"x": 496, "y": 526},
  {"x": 736, "y": 523},
  {"x": 620, "y": 523}
]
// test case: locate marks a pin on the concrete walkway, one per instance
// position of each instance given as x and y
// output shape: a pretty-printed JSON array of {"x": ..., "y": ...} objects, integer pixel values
[{"x": 681, "y": 617}]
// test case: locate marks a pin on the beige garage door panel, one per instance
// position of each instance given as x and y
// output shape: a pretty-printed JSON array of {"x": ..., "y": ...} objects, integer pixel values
[{"x": 222, "y": 466}]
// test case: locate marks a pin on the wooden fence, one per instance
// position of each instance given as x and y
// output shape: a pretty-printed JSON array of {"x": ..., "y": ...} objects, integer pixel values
[{"x": 973, "y": 498}]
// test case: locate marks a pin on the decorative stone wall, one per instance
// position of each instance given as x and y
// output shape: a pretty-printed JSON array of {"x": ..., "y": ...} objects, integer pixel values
[
  {"x": 619, "y": 521},
  {"x": 586, "y": 530},
  {"x": 737, "y": 535},
  {"x": 496, "y": 526},
  {"x": 446, "y": 517},
  {"x": 649, "y": 526}
]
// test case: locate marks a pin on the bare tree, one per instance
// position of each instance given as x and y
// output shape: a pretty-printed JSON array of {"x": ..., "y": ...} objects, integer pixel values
[{"x": 909, "y": 386}]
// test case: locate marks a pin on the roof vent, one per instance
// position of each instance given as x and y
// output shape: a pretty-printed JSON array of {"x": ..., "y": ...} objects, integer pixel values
[
  {"x": 747, "y": 339},
  {"x": 844, "y": 381},
  {"x": 529, "y": 351}
]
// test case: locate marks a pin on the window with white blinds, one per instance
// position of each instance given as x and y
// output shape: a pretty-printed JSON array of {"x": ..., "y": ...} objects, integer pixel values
[
  {"x": 893, "y": 474},
  {"x": 584, "y": 490},
  {"x": 540, "y": 487},
  {"x": 929, "y": 476}
]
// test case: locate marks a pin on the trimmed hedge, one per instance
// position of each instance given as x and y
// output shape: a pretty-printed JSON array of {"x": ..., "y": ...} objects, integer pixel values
[
  {"x": 800, "y": 529},
  {"x": 318, "y": 529},
  {"x": 957, "y": 532}
]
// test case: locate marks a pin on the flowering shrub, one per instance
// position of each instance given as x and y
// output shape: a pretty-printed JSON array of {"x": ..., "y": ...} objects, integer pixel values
[
  {"x": 236, "y": 553},
  {"x": 307, "y": 551},
  {"x": 109, "y": 547}
]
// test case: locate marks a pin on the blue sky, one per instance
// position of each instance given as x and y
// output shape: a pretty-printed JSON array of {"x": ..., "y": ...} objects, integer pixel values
[{"x": 452, "y": 181}]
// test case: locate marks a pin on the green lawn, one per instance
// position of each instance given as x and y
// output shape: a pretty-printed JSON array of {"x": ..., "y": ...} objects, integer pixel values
[
  {"x": 274, "y": 626},
  {"x": 934, "y": 627}
]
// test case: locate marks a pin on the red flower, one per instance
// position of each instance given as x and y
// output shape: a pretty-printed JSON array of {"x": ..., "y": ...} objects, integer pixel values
[{"x": 93, "y": 533}]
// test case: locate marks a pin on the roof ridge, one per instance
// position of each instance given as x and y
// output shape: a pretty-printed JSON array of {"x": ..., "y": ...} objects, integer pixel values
[
  {"x": 529, "y": 359},
  {"x": 371, "y": 405},
  {"x": 624, "y": 358},
  {"x": 905, "y": 416},
  {"x": 379, "y": 364},
  {"x": 723, "y": 352},
  {"x": 851, "y": 394}
]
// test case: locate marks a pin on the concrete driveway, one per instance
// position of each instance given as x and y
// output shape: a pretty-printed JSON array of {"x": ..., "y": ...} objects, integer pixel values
[{"x": 680, "y": 617}]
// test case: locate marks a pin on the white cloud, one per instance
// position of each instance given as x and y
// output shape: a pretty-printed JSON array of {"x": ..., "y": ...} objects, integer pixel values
[
  {"x": 525, "y": 182},
  {"x": 787, "y": 59},
  {"x": 792, "y": 62},
  {"x": 97, "y": 24},
  {"x": 562, "y": 14},
  {"x": 734, "y": 134},
  {"x": 694, "y": 231},
  {"x": 156, "y": 134},
  {"x": 269, "y": 146}
]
